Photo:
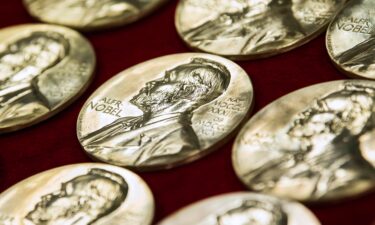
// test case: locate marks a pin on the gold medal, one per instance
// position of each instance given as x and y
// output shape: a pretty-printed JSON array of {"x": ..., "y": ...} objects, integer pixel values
[
  {"x": 313, "y": 145},
  {"x": 165, "y": 112},
  {"x": 90, "y": 14},
  {"x": 247, "y": 29},
  {"x": 43, "y": 68},
  {"x": 242, "y": 209},
  {"x": 89, "y": 193},
  {"x": 350, "y": 39}
]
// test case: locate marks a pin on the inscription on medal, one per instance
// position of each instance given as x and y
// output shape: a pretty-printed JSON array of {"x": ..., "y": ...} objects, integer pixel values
[
  {"x": 356, "y": 25},
  {"x": 107, "y": 106}
]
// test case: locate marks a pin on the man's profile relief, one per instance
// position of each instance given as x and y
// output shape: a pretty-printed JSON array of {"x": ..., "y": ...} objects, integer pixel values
[
  {"x": 255, "y": 27},
  {"x": 82, "y": 200},
  {"x": 360, "y": 57},
  {"x": 164, "y": 130},
  {"x": 21, "y": 63},
  {"x": 320, "y": 148},
  {"x": 254, "y": 212}
]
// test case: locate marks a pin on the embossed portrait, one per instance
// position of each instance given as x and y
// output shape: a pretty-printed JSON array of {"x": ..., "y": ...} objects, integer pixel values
[
  {"x": 164, "y": 130},
  {"x": 21, "y": 62},
  {"x": 360, "y": 57},
  {"x": 254, "y": 212},
  {"x": 87, "y": 12},
  {"x": 82, "y": 200},
  {"x": 321, "y": 147},
  {"x": 254, "y": 27}
]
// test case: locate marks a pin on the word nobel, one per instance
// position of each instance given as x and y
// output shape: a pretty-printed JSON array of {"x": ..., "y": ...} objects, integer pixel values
[
  {"x": 108, "y": 106},
  {"x": 356, "y": 25}
]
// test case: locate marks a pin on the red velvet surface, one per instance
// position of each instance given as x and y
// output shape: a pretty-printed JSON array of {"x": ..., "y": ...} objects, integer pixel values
[{"x": 53, "y": 142}]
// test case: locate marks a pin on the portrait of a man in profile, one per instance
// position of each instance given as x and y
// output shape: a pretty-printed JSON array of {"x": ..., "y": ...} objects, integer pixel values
[
  {"x": 82, "y": 200},
  {"x": 21, "y": 63},
  {"x": 319, "y": 141},
  {"x": 257, "y": 26},
  {"x": 164, "y": 129}
]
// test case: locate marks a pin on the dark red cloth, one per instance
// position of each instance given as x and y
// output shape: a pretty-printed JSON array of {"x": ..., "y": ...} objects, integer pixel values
[{"x": 53, "y": 142}]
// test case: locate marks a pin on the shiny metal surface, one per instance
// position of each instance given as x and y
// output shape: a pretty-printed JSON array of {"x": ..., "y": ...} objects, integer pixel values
[
  {"x": 90, "y": 14},
  {"x": 43, "y": 68},
  {"x": 80, "y": 194},
  {"x": 350, "y": 39},
  {"x": 314, "y": 145},
  {"x": 165, "y": 112},
  {"x": 242, "y": 208},
  {"x": 246, "y": 29}
]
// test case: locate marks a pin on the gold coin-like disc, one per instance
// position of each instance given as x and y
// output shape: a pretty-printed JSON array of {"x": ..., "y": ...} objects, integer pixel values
[
  {"x": 165, "y": 112},
  {"x": 314, "y": 145},
  {"x": 242, "y": 208},
  {"x": 247, "y": 29},
  {"x": 90, "y": 14},
  {"x": 89, "y": 193},
  {"x": 43, "y": 68},
  {"x": 350, "y": 39}
]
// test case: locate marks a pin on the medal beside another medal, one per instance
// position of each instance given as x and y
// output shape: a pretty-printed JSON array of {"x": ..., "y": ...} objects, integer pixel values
[
  {"x": 248, "y": 29},
  {"x": 313, "y": 145},
  {"x": 165, "y": 112},
  {"x": 90, "y": 14},
  {"x": 242, "y": 209},
  {"x": 43, "y": 68},
  {"x": 350, "y": 39},
  {"x": 89, "y": 193}
]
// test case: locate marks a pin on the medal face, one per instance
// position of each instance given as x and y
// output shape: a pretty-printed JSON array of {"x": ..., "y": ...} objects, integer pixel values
[
  {"x": 242, "y": 209},
  {"x": 84, "y": 194},
  {"x": 43, "y": 68},
  {"x": 246, "y": 29},
  {"x": 165, "y": 112},
  {"x": 90, "y": 14},
  {"x": 315, "y": 144},
  {"x": 350, "y": 39}
]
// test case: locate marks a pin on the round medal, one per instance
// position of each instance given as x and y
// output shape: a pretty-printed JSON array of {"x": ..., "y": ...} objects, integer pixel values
[
  {"x": 248, "y": 29},
  {"x": 89, "y": 193},
  {"x": 242, "y": 209},
  {"x": 350, "y": 39},
  {"x": 90, "y": 14},
  {"x": 43, "y": 68},
  {"x": 165, "y": 112},
  {"x": 315, "y": 144}
]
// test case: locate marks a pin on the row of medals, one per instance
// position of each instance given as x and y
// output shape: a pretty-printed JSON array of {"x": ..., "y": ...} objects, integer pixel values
[{"x": 312, "y": 145}]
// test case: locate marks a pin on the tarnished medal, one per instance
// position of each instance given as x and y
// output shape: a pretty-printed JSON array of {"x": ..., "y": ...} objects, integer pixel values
[
  {"x": 350, "y": 39},
  {"x": 43, "y": 68},
  {"x": 242, "y": 208},
  {"x": 83, "y": 194},
  {"x": 314, "y": 145},
  {"x": 247, "y": 29},
  {"x": 165, "y": 112},
  {"x": 90, "y": 14}
]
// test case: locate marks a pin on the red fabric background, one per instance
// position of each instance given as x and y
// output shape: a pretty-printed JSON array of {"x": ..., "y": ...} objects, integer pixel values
[{"x": 53, "y": 143}]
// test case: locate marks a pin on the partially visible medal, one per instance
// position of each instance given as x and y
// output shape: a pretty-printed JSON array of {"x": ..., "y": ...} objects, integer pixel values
[
  {"x": 313, "y": 145},
  {"x": 43, "y": 68},
  {"x": 165, "y": 112},
  {"x": 90, "y": 14},
  {"x": 350, "y": 39},
  {"x": 248, "y": 29},
  {"x": 89, "y": 193},
  {"x": 242, "y": 209}
]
